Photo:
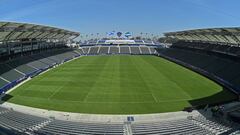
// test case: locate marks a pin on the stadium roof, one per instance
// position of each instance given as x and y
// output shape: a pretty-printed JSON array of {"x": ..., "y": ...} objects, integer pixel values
[
  {"x": 11, "y": 31},
  {"x": 228, "y": 36}
]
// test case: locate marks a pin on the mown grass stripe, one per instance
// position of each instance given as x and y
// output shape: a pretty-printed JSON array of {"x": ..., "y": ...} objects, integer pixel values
[{"x": 118, "y": 85}]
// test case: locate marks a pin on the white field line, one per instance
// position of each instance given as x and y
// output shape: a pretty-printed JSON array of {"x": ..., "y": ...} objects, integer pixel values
[
  {"x": 155, "y": 99},
  {"x": 86, "y": 97},
  {"x": 55, "y": 92}
]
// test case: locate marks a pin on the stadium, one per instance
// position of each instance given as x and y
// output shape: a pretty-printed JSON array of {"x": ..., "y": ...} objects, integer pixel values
[
  {"x": 119, "y": 67},
  {"x": 118, "y": 86}
]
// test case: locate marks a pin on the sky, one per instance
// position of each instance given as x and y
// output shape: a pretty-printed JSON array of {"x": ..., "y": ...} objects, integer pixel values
[{"x": 101, "y": 16}]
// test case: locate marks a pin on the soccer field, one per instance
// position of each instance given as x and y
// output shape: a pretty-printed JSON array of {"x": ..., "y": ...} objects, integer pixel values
[{"x": 118, "y": 85}]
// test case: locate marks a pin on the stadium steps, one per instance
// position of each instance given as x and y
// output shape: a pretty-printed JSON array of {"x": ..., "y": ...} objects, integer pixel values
[
  {"x": 140, "y": 51},
  {"x": 223, "y": 68},
  {"x": 145, "y": 50},
  {"x": 93, "y": 50},
  {"x": 67, "y": 127},
  {"x": 236, "y": 82},
  {"x": 217, "y": 65},
  {"x": 210, "y": 124},
  {"x": 152, "y": 50},
  {"x": 134, "y": 50},
  {"x": 230, "y": 71},
  {"x": 42, "y": 60},
  {"x": 39, "y": 126},
  {"x": 48, "y": 61},
  {"x": 3, "y": 82},
  {"x": 86, "y": 50},
  {"x": 127, "y": 128},
  {"x": 195, "y": 59},
  {"x": 19, "y": 61},
  {"x": 55, "y": 59},
  {"x": 37, "y": 65},
  {"x": 25, "y": 123},
  {"x": 118, "y": 50},
  {"x": 25, "y": 69},
  {"x": 114, "y": 50},
  {"x": 233, "y": 49},
  {"x": 182, "y": 126},
  {"x": 4, "y": 68},
  {"x": 234, "y": 133},
  {"x": 19, "y": 121},
  {"x": 103, "y": 50},
  {"x": 18, "y": 68},
  {"x": 79, "y": 52},
  {"x": 124, "y": 50},
  {"x": 3, "y": 110},
  {"x": 12, "y": 75}
]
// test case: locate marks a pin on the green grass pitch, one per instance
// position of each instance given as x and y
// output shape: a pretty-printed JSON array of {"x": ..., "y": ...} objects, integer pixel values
[{"x": 118, "y": 85}]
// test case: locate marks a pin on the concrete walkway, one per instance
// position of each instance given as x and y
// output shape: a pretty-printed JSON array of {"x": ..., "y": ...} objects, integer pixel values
[{"x": 98, "y": 117}]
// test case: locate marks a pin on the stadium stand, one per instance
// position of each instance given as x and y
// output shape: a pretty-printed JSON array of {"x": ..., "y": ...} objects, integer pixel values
[
  {"x": 24, "y": 123},
  {"x": 221, "y": 40},
  {"x": 81, "y": 51},
  {"x": 145, "y": 50},
  {"x": 152, "y": 50},
  {"x": 182, "y": 126},
  {"x": 215, "y": 66},
  {"x": 101, "y": 41},
  {"x": 114, "y": 50},
  {"x": 86, "y": 50},
  {"x": 13, "y": 72},
  {"x": 66, "y": 127},
  {"x": 93, "y": 50},
  {"x": 27, "y": 124},
  {"x": 124, "y": 50},
  {"x": 3, "y": 82},
  {"x": 92, "y": 42},
  {"x": 25, "y": 69},
  {"x": 20, "y": 122},
  {"x": 135, "y": 50},
  {"x": 139, "y": 41},
  {"x": 12, "y": 75},
  {"x": 148, "y": 42},
  {"x": 104, "y": 50},
  {"x": 37, "y": 65},
  {"x": 25, "y": 55},
  {"x": 214, "y": 51},
  {"x": 4, "y": 68}
]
